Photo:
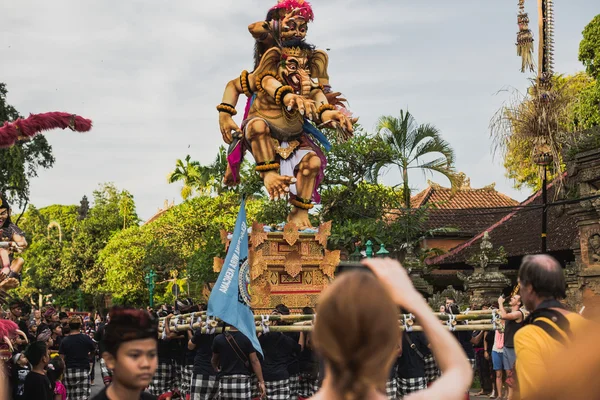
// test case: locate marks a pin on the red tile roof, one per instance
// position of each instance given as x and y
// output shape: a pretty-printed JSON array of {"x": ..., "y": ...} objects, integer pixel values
[
  {"x": 448, "y": 199},
  {"x": 519, "y": 232},
  {"x": 465, "y": 209}
]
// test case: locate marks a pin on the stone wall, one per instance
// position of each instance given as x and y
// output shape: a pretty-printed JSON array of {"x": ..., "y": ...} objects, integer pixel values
[{"x": 583, "y": 182}]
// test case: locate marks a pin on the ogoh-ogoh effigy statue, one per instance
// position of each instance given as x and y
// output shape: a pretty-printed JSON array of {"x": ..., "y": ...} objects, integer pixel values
[{"x": 287, "y": 104}]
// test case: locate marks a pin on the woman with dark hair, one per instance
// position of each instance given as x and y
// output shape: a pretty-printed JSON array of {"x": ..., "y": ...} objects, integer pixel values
[
  {"x": 129, "y": 344},
  {"x": 357, "y": 334}
]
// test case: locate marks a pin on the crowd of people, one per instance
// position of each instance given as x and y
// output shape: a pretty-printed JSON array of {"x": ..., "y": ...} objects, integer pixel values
[
  {"x": 63, "y": 345},
  {"x": 355, "y": 351}
]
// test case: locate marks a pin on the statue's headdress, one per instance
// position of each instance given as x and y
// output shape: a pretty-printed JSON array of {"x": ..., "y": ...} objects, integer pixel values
[{"x": 304, "y": 8}]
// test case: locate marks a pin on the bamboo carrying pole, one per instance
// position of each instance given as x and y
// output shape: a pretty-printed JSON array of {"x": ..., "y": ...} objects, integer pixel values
[
  {"x": 308, "y": 328},
  {"x": 185, "y": 318}
]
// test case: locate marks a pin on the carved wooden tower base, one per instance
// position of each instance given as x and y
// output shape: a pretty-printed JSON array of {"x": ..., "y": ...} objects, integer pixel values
[{"x": 288, "y": 267}]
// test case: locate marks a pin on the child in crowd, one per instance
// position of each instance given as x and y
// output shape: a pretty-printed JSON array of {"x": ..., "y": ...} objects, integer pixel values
[
  {"x": 56, "y": 369},
  {"x": 129, "y": 345},
  {"x": 20, "y": 371},
  {"x": 37, "y": 384}
]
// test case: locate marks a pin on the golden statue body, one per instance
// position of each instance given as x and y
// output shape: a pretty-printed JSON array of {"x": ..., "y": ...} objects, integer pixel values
[{"x": 287, "y": 99}]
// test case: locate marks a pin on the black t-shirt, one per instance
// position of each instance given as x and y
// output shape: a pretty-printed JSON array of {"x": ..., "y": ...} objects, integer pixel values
[
  {"x": 230, "y": 362},
  {"x": 293, "y": 362},
  {"x": 410, "y": 364},
  {"x": 38, "y": 387},
  {"x": 202, "y": 364},
  {"x": 99, "y": 336},
  {"x": 56, "y": 343},
  {"x": 479, "y": 344},
  {"x": 102, "y": 396},
  {"x": 278, "y": 349},
  {"x": 489, "y": 338},
  {"x": 178, "y": 349},
  {"x": 19, "y": 374},
  {"x": 309, "y": 363},
  {"x": 464, "y": 337},
  {"x": 190, "y": 356},
  {"x": 164, "y": 350},
  {"x": 76, "y": 349}
]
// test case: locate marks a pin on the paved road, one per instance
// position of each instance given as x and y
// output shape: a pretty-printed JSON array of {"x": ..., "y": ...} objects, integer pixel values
[{"x": 97, "y": 380}]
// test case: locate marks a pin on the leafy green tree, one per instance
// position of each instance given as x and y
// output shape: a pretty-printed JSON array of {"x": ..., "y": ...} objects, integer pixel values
[
  {"x": 112, "y": 210},
  {"x": 185, "y": 240},
  {"x": 352, "y": 162},
  {"x": 587, "y": 110},
  {"x": 43, "y": 271},
  {"x": 361, "y": 208},
  {"x": 188, "y": 172},
  {"x": 411, "y": 143},
  {"x": 61, "y": 264},
  {"x": 20, "y": 163},
  {"x": 589, "y": 48}
]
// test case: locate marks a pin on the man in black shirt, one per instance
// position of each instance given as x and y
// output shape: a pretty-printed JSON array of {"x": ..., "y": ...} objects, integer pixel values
[
  {"x": 75, "y": 350},
  {"x": 293, "y": 362},
  {"x": 278, "y": 350},
  {"x": 204, "y": 380},
  {"x": 411, "y": 364},
  {"x": 37, "y": 384},
  {"x": 233, "y": 356}
]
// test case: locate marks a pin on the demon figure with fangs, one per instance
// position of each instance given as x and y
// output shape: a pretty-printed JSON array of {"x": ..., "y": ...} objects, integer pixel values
[{"x": 287, "y": 105}]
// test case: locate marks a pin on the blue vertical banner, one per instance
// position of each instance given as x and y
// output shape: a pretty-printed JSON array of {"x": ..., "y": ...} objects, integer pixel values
[{"x": 229, "y": 298}]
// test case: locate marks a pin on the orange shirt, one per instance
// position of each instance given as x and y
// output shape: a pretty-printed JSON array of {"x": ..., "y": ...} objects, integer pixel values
[{"x": 536, "y": 352}]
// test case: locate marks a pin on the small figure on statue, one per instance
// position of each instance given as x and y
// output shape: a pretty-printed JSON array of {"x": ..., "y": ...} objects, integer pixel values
[{"x": 12, "y": 240}]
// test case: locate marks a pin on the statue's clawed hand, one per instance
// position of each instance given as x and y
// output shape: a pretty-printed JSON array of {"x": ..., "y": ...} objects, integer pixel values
[
  {"x": 302, "y": 104},
  {"x": 227, "y": 125}
]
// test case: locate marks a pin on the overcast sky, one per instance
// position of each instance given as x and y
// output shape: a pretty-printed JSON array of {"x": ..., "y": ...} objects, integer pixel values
[{"x": 150, "y": 73}]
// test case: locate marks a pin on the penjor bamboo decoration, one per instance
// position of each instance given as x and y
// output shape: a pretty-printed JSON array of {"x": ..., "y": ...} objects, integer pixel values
[{"x": 524, "y": 40}]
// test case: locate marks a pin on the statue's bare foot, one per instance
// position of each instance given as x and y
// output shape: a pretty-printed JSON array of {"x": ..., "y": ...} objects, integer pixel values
[
  {"x": 277, "y": 186},
  {"x": 299, "y": 217},
  {"x": 228, "y": 179}
]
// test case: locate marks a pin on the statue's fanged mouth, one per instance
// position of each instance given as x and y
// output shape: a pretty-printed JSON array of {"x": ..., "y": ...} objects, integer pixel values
[{"x": 294, "y": 81}]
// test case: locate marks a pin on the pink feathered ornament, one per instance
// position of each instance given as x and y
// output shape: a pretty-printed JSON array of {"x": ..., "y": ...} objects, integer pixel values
[
  {"x": 36, "y": 123},
  {"x": 304, "y": 8}
]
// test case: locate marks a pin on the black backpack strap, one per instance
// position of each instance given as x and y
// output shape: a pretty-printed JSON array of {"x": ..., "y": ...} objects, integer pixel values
[
  {"x": 550, "y": 330},
  {"x": 557, "y": 318}
]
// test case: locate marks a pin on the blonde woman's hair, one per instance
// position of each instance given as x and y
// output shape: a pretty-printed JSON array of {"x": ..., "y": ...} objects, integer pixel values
[{"x": 357, "y": 333}]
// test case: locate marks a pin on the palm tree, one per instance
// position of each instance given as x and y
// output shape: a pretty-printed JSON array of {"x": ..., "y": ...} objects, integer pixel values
[
  {"x": 190, "y": 172},
  {"x": 411, "y": 143}
]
